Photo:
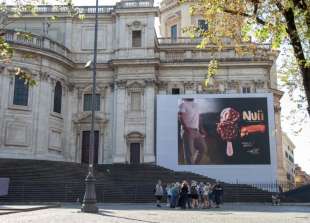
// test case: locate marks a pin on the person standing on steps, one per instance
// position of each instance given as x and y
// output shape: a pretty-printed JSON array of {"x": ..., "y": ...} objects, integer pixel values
[
  {"x": 194, "y": 195},
  {"x": 218, "y": 192},
  {"x": 174, "y": 194},
  {"x": 184, "y": 195},
  {"x": 158, "y": 192},
  {"x": 168, "y": 191}
]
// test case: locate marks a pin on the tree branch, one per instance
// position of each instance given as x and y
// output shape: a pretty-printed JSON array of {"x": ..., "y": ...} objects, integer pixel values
[
  {"x": 292, "y": 32},
  {"x": 301, "y": 4},
  {"x": 258, "y": 20}
]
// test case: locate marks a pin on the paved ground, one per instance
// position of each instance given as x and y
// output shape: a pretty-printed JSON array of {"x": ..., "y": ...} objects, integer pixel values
[
  {"x": 135, "y": 213},
  {"x": 11, "y": 209}
]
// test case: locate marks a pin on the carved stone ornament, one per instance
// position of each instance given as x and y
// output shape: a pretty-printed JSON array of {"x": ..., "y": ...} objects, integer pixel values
[
  {"x": 162, "y": 85},
  {"x": 111, "y": 86},
  {"x": 2, "y": 68},
  {"x": 135, "y": 137},
  {"x": 3, "y": 19},
  {"x": 70, "y": 86},
  {"x": 232, "y": 84},
  {"x": 277, "y": 108},
  {"x": 149, "y": 82},
  {"x": 121, "y": 83},
  {"x": 189, "y": 85},
  {"x": 85, "y": 117},
  {"x": 135, "y": 87},
  {"x": 44, "y": 76},
  {"x": 259, "y": 84},
  {"x": 136, "y": 25}
]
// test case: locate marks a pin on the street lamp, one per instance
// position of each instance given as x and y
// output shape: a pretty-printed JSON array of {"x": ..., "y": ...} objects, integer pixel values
[{"x": 89, "y": 201}]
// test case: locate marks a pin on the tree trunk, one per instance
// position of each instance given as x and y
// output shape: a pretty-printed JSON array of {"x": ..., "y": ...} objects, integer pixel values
[{"x": 298, "y": 52}]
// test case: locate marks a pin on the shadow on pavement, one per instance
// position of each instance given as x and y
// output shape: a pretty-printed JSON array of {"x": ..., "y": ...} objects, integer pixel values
[{"x": 125, "y": 218}]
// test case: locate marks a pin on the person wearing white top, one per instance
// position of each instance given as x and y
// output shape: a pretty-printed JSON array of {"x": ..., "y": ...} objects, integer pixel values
[
  {"x": 206, "y": 193},
  {"x": 193, "y": 136},
  {"x": 158, "y": 192}
]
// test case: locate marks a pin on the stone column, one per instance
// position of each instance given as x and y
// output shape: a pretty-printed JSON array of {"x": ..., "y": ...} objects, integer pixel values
[
  {"x": 69, "y": 109},
  {"x": 149, "y": 101},
  {"x": 119, "y": 123},
  {"x": 109, "y": 113},
  {"x": 3, "y": 91}
]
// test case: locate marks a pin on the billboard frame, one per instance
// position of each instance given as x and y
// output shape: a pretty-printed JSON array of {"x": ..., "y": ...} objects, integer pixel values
[{"x": 168, "y": 105}]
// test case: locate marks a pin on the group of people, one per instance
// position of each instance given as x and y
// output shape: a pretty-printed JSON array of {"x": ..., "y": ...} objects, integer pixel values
[{"x": 193, "y": 195}]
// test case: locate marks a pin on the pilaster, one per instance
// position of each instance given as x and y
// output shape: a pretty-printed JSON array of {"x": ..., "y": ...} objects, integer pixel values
[
  {"x": 119, "y": 128},
  {"x": 149, "y": 152}
]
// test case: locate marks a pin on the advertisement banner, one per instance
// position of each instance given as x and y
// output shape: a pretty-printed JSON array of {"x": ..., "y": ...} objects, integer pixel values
[{"x": 223, "y": 131}]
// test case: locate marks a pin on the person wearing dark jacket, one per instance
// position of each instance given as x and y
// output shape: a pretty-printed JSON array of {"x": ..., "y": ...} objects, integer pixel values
[
  {"x": 183, "y": 195},
  {"x": 218, "y": 193}
]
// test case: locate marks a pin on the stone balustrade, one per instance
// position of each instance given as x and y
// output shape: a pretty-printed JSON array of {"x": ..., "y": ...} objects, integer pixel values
[
  {"x": 188, "y": 45},
  {"x": 178, "y": 41},
  {"x": 51, "y": 9},
  {"x": 196, "y": 41},
  {"x": 36, "y": 41},
  {"x": 187, "y": 50},
  {"x": 135, "y": 4},
  {"x": 164, "y": 4}
]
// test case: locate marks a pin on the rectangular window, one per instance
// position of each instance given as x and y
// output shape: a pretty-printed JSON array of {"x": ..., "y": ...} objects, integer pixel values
[
  {"x": 175, "y": 91},
  {"x": 88, "y": 100},
  {"x": 286, "y": 154},
  {"x": 203, "y": 25},
  {"x": 57, "y": 98},
  {"x": 136, "y": 38},
  {"x": 291, "y": 159},
  {"x": 135, "y": 101},
  {"x": 246, "y": 90},
  {"x": 20, "y": 92},
  {"x": 174, "y": 32}
]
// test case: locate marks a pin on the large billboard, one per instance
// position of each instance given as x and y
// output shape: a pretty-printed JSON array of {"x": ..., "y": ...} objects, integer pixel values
[
  {"x": 230, "y": 137},
  {"x": 223, "y": 131}
]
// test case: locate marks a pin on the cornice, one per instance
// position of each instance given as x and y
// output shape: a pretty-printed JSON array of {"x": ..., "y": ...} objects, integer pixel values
[
  {"x": 135, "y": 62},
  {"x": 223, "y": 63},
  {"x": 141, "y": 10},
  {"x": 45, "y": 52}
]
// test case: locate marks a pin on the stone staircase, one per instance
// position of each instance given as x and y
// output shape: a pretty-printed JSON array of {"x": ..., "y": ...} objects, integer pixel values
[{"x": 50, "y": 181}]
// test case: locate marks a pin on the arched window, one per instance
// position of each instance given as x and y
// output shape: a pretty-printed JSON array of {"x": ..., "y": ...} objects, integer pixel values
[
  {"x": 57, "y": 97},
  {"x": 20, "y": 92}
]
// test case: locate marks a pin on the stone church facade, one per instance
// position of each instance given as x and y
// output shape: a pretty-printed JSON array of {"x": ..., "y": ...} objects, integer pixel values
[{"x": 51, "y": 120}]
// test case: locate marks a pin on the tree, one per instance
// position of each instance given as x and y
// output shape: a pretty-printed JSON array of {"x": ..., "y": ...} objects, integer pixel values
[
  {"x": 264, "y": 21},
  {"x": 17, "y": 9}
]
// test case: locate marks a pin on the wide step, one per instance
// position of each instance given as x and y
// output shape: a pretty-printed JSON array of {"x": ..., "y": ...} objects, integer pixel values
[{"x": 33, "y": 180}]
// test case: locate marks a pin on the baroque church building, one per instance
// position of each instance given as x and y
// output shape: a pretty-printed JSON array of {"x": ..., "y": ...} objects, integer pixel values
[{"x": 51, "y": 120}]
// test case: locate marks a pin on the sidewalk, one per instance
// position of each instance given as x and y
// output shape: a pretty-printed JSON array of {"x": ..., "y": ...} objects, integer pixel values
[
  {"x": 148, "y": 213},
  {"x": 15, "y": 208}
]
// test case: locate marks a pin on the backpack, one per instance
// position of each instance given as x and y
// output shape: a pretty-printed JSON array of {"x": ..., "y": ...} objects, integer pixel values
[{"x": 193, "y": 190}]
